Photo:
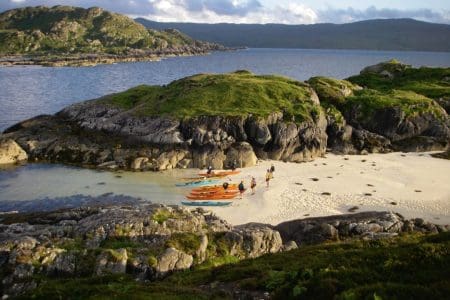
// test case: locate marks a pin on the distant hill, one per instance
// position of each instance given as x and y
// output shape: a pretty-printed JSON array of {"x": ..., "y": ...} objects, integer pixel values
[
  {"x": 388, "y": 34},
  {"x": 66, "y": 29}
]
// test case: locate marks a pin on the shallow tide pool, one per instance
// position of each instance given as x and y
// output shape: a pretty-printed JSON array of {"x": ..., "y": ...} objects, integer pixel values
[{"x": 47, "y": 183}]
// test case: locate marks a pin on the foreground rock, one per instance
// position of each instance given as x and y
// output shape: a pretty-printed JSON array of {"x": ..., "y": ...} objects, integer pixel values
[
  {"x": 151, "y": 241},
  {"x": 11, "y": 152}
]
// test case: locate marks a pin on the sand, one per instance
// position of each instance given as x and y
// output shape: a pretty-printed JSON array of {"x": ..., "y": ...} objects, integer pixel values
[{"x": 412, "y": 184}]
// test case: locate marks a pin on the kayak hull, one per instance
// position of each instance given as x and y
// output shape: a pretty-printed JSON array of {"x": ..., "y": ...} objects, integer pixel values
[
  {"x": 206, "y": 203},
  {"x": 231, "y": 187},
  {"x": 219, "y": 173},
  {"x": 210, "y": 197},
  {"x": 197, "y": 183}
]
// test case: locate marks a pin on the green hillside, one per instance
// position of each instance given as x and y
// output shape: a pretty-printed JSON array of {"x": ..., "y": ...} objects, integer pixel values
[
  {"x": 232, "y": 94},
  {"x": 66, "y": 29}
]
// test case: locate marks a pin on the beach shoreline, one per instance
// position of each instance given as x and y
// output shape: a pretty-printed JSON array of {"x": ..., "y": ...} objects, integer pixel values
[{"x": 412, "y": 184}]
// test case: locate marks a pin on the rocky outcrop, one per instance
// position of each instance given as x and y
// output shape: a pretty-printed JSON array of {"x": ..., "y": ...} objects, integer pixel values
[
  {"x": 11, "y": 152},
  {"x": 152, "y": 241},
  {"x": 253, "y": 240},
  {"x": 93, "y": 134},
  {"x": 394, "y": 124},
  {"x": 388, "y": 69},
  {"x": 366, "y": 225}
]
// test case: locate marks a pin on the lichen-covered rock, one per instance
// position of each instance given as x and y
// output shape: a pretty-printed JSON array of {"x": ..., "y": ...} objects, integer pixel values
[
  {"x": 367, "y": 224},
  {"x": 63, "y": 265},
  {"x": 139, "y": 163},
  {"x": 160, "y": 240},
  {"x": 253, "y": 240},
  {"x": 112, "y": 262},
  {"x": 11, "y": 152},
  {"x": 201, "y": 251},
  {"x": 173, "y": 260}
]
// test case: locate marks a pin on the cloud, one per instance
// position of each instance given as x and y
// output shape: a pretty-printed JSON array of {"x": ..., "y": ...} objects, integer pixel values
[
  {"x": 235, "y": 11},
  {"x": 333, "y": 15}
]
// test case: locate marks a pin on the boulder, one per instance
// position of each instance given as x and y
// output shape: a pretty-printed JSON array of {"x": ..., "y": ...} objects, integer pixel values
[
  {"x": 291, "y": 245},
  {"x": 388, "y": 69},
  {"x": 139, "y": 163},
  {"x": 242, "y": 153},
  {"x": 170, "y": 159},
  {"x": 369, "y": 141},
  {"x": 171, "y": 260},
  {"x": 26, "y": 243},
  {"x": 11, "y": 152},
  {"x": 200, "y": 254},
  {"x": 253, "y": 240},
  {"x": 63, "y": 265},
  {"x": 112, "y": 262}
]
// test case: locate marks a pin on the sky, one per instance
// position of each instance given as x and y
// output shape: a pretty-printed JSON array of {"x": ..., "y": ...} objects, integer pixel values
[{"x": 261, "y": 11}]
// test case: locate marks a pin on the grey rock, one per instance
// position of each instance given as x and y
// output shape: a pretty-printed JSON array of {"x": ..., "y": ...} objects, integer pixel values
[
  {"x": 252, "y": 240},
  {"x": 172, "y": 260},
  {"x": 63, "y": 265},
  {"x": 201, "y": 251},
  {"x": 291, "y": 245},
  {"x": 23, "y": 271},
  {"x": 112, "y": 262},
  {"x": 26, "y": 243}
]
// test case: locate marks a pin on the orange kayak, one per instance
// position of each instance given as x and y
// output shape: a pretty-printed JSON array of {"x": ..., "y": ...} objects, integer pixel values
[
  {"x": 200, "y": 178},
  {"x": 210, "y": 197},
  {"x": 214, "y": 188},
  {"x": 219, "y": 173},
  {"x": 215, "y": 192}
]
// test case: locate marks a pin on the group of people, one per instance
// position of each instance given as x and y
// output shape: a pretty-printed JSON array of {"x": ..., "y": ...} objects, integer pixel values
[{"x": 269, "y": 176}]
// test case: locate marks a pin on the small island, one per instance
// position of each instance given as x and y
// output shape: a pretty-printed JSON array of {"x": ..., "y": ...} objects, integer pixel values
[
  {"x": 73, "y": 36},
  {"x": 216, "y": 119}
]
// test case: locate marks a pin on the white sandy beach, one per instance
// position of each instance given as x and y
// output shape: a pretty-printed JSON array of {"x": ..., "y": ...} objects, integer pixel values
[{"x": 412, "y": 184}]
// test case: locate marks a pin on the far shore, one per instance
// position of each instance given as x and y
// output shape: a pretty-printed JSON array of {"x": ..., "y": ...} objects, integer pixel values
[
  {"x": 87, "y": 59},
  {"x": 413, "y": 184}
]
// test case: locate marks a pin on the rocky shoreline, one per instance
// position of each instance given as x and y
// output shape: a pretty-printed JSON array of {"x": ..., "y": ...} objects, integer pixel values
[
  {"x": 93, "y": 59},
  {"x": 151, "y": 241}
]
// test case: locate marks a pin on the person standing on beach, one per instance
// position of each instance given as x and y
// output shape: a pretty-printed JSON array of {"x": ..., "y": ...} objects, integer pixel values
[
  {"x": 272, "y": 170},
  {"x": 241, "y": 188},
  {"x": 253, "y": 185},
  {"x": 268, "y": 177}
]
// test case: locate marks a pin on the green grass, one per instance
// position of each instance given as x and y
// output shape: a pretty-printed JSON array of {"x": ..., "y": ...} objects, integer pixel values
[
  {"x": 184, "y": 241},
  {"x": 162, "y": 215},
  {"x": 413, "y": 266},
  {"x": 430, "y": 82},
  {"x": 233, "y": 94},
  {"x": 120, "y": 242},
  {"x": 409, "y": 102}
]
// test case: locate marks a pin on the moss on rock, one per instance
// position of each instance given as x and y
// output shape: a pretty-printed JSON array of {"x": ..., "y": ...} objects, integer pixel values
[{"x": 234, "y": 94}]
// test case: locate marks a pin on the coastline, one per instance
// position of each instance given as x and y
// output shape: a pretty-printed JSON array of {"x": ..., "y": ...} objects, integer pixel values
[
  {"x": 412, "y": 184},
  {"x": 93, "y": 59}
]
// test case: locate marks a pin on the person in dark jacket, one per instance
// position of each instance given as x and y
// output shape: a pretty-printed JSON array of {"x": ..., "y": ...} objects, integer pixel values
[
  {"x": 241, "y": 188},
  {"x": 272, "y": 170}
]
